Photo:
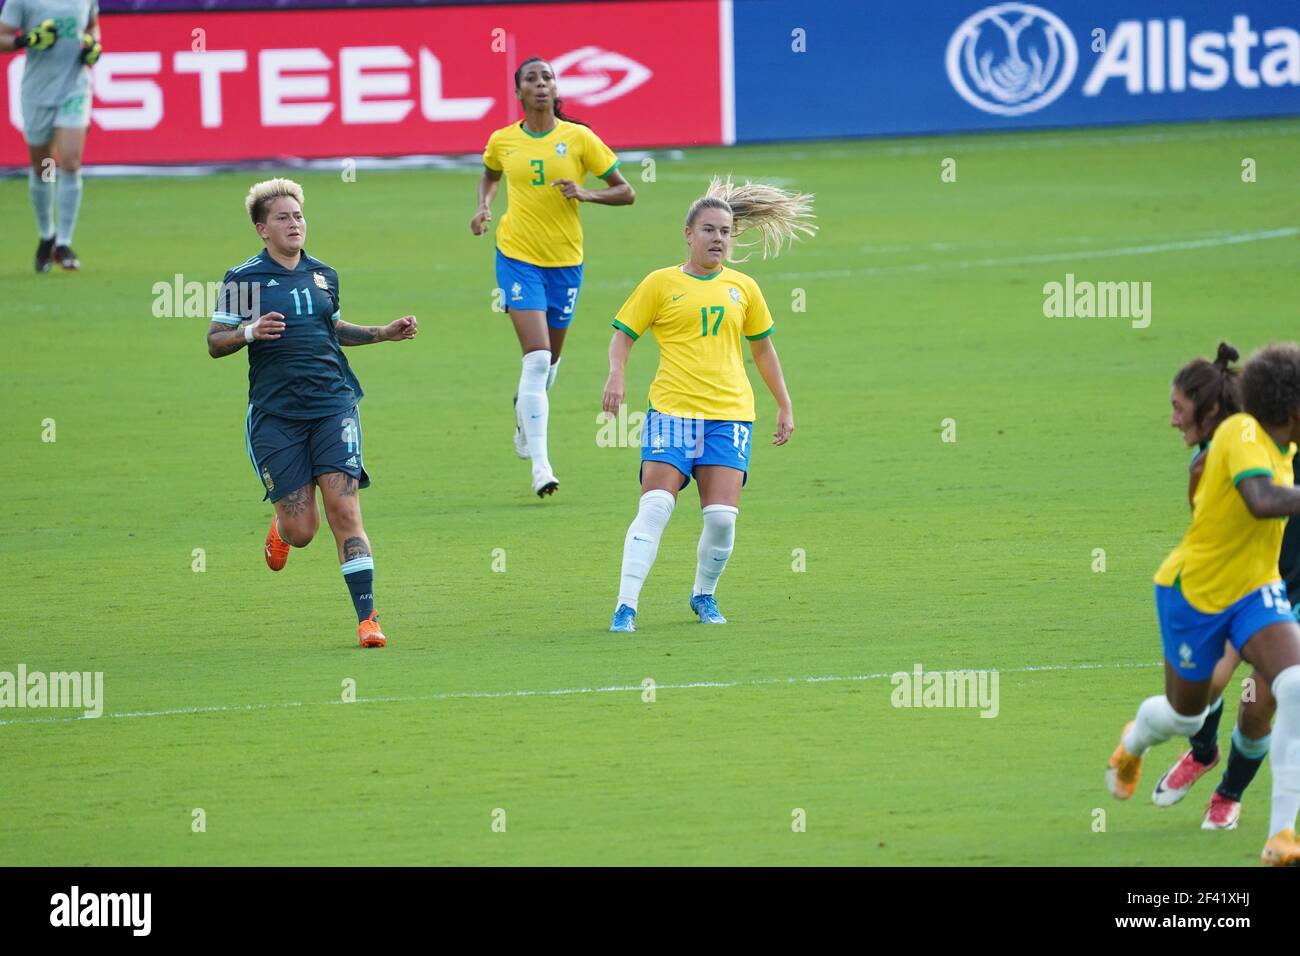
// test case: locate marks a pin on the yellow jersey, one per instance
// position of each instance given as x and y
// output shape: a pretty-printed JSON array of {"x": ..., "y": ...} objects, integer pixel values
[
  {"x": 1228, "y": 552},
  {"x": 698, "y": 322},
  {"x": 540, "y": 226}
]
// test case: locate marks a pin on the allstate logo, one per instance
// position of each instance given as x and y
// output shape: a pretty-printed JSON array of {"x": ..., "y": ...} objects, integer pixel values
[{"x": 1011, "y": 59}]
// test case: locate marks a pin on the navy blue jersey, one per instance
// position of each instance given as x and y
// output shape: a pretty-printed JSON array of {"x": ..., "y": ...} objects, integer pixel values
[{"x": 302, "y": 374}]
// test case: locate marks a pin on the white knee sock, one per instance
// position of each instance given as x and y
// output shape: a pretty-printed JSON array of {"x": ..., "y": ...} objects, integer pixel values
[
  {"x": 1157, "y": 721},
  {"x": 69, "y": 190},
  {"x": 534, "y": 409},
  {"x": 642, "y": 543},
  {"x": 550, "y": 376},
  {"x": 716, "y": 542},
  {"x": 42, "y": 194},
  {"x": 1286, "y": 750}
]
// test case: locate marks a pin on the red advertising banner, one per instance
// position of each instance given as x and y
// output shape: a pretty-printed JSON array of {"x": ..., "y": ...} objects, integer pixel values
[{"x": 210, "y": 87}]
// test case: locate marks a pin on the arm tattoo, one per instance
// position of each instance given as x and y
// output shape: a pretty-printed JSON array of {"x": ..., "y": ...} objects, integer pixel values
[
  {"x": 224, "y": 339},
  {"x": 355, "y": 548},
  {"x": 350, "y": 334},
  {"x": 295, "y": 502}
]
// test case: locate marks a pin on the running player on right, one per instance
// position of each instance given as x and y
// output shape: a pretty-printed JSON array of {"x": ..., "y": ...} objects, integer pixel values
[
  {"x": 1203, "y": 394},
  {"x": 1221, "y": 582}
]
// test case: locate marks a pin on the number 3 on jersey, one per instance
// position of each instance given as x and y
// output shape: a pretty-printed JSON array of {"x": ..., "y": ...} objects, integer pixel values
[
  {"x": 538, "y": 178},
  {"x": 718, "y": 310}
]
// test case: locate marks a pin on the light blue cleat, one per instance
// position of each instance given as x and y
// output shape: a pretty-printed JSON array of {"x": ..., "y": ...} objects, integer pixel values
[
  {"x": 707, "y": 609},
  {"x": 624, "y": 620}
]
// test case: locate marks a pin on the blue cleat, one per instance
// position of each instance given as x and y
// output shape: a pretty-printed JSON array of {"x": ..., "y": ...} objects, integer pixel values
[
  {"x": 624, "y": 620},
  {"x": 707, "y": 609}
]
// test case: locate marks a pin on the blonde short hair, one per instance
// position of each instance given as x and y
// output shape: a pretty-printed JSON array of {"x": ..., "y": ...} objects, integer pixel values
[
  {"x": 779, "y": 216},
  {"x": 262, "y": 194}
]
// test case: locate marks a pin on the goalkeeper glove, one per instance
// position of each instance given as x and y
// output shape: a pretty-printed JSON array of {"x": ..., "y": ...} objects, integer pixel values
[
  {"x": 90, "y": 49},
  {"x": 38, "y": 38}
]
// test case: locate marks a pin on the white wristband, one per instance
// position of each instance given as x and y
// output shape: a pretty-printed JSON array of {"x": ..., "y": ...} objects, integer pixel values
[{"x": 248, "y": 333}]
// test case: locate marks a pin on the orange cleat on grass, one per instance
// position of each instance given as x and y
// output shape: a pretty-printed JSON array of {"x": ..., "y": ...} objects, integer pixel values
[
  {"x": 1282, "y": 849},
  {"x": 1124, "y": 770},
  {"x": 277, "y": 549},
  {"x": 369, "y": 634}
]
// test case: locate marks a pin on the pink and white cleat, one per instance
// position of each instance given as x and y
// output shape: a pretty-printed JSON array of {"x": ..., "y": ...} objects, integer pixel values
[
  {"x": 1222, "y": 813},
  {"x": 1178, "y": 779}
]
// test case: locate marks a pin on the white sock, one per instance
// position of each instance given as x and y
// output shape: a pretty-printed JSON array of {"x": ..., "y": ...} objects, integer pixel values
[
  {"x": 42, "y": 194},
  {"x": 534, "y": 409},
  {"x": 1286, "y": 750},
  {"x": 642, "y": 543},
  {"x": 1157, "y": 721},
  {"x": 716, "y": 542},
  {"x": 550, "y": 376},
  {"x": 69, "y": 189}
]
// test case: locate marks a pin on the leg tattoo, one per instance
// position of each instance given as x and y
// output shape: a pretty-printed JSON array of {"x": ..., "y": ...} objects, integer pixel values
[
  {"x": 295, "y": 502},
  {"x": 344, "y": 485}
]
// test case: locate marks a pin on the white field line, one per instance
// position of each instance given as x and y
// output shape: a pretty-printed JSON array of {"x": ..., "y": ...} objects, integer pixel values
[
  {"x": 1181, "y": 245},
  {"x": 561, "y": 692}
]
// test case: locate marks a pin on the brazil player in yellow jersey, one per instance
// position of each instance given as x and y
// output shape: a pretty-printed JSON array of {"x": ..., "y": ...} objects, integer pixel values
[
  {"x": 701, "y": 405},
  {"x": 544, "y": 159},
  {"x": 1201, "y": 396},
  {"x": 1222, "y": 583}
]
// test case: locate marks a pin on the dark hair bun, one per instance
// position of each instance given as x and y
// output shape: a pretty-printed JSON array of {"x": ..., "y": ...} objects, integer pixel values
[{"x": 1226, "y": 356}]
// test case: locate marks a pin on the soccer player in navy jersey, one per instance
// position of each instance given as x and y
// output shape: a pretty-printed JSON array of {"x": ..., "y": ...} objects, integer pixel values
[{"x": 303, "y": 428}]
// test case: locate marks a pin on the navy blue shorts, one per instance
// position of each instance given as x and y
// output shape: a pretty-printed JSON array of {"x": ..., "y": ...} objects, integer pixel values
[
  {"x": 1193, "y": 640},
  {"x": 287, "y": 453},
  {"x": 550, "y": 289},
  {"x": 687, "y": 443}
]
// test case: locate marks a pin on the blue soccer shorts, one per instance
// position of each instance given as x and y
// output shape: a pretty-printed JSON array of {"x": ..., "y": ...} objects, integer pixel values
[
  {"x": 553, "y": 290},
  {"x": 687, "y": 443},
  {"x": 1193, "y": 640},
  {"x": 288, "y": 453}
]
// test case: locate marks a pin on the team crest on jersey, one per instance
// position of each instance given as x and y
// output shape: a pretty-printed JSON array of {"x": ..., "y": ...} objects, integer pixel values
[
  {"x": 561, "y": 149},
  {"x": 267, "y": 480},
  {"x": 320, "y": 280},
  {"x": 735, "y": 294}
]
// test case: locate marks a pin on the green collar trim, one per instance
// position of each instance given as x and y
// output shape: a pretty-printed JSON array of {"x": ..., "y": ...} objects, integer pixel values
[
  {"x": 539, "y": 135},
  {"x": 682, "y": 270}
]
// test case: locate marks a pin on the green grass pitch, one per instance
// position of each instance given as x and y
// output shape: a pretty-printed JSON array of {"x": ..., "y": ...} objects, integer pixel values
[{"x": 924, "y": 302}]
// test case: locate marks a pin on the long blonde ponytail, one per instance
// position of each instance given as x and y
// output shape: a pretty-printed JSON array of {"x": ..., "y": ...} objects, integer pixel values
[{"x": 780, "y": 217}]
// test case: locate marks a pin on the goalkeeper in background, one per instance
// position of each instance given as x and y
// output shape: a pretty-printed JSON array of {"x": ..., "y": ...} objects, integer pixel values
[{"x": 61, "y": 40}]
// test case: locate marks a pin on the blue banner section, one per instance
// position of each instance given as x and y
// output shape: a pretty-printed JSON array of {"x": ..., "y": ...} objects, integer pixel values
[{"x": 812, "y": 68}]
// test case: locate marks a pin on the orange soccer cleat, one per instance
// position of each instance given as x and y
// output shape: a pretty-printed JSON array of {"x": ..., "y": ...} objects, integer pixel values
[
  {"x": 1124, "y": 770},
  {"x": 277, "y": 549},
  {"x": 369, "y": 634},
  {"x": 1282, "y": 849}
]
